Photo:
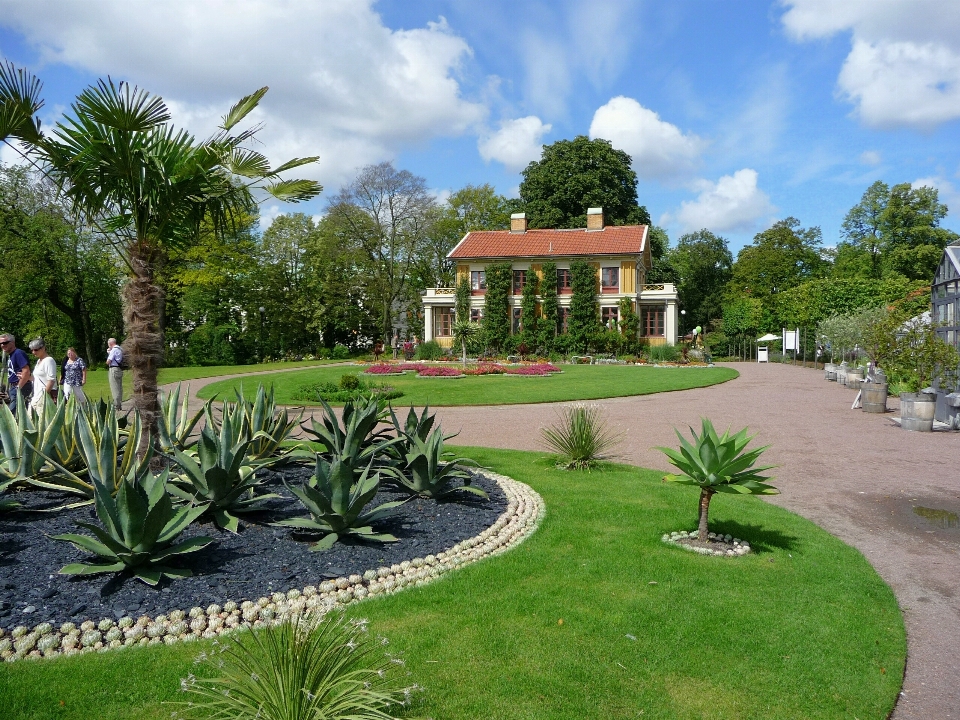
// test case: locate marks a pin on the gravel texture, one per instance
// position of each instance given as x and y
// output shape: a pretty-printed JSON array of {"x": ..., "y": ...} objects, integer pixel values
[{"x": 258, "y": 561}]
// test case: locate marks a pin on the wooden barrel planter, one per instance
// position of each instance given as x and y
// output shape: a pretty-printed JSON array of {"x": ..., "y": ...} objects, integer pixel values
[
  {"x": 854, "y": 378},
  {"x": 842, "y": 373},
  {"x": 874, "y": 397},
  {"x": 830, "y": 372},
  {"x": 917, "y": 411}
]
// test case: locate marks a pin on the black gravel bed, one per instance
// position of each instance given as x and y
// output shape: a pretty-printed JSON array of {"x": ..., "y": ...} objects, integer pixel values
[{"x": 260, "y": 560}]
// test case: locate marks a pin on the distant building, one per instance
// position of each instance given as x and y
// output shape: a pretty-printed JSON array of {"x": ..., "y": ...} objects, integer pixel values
[
  {"x": 621, "y": 255},
  {"x": 945, "y": 312}
]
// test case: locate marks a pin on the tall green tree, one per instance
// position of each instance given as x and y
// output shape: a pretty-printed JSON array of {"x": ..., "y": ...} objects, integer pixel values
[
  {"x": 119, "y": 162},
  {"x": 584, "y": 320},
  {"x": 911, "y": 227},
  {"x": 574, "y": 175},
  {"x": 663, "y": 269},
  {"x": 703, "y": 264},
  {"x": 496, "y": 310},
  {"x": 863, "y": 225}
]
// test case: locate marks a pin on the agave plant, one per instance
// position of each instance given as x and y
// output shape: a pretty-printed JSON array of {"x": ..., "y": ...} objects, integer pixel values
[
  {"x": 717, "y": 464},
  {"x": 222, "y": 477},
  {"x": 423, "y": 471},
  {"x": 580, "y": 439},
  {"x": 264, "y": 425},
  {"x": 336, "y": 498},
  {"x": 357, "y": 443},
  {"x": 176, "y": 423},
  {"x": 109, "y": 450},
  {"x": 29, "y": 439},
  {"x": 323, "y": 666},
  {"x": 414, "y": 426},
  {"x": 139, "y": 526}
]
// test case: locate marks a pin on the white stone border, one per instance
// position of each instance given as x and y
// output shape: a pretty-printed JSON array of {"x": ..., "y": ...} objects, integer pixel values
[
  {"x": 735, "y": 546},
  {"x": 525, "y": 510}
]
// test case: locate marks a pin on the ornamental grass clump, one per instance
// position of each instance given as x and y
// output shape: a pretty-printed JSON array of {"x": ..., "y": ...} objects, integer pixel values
[
  {"x": 717, "y": 464},
  {"x": 308, "y": 667},
  {"x": 581, "y": 439}
]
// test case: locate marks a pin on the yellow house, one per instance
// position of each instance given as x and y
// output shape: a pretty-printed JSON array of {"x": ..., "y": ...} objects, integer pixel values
[{"x": 620, "y": 253}]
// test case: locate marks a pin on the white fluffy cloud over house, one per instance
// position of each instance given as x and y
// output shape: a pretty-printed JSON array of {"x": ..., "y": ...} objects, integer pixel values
[
  {"x": 734, "y": 203},
  {"x": 343, "y": 85},
  {"x": 659, "y": 149},
  {"x": 903, "y": 69},
  {"x": 516, "y": 143}
]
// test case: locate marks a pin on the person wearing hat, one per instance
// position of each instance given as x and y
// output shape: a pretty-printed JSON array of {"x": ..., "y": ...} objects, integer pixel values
[{"x": 18, "y": 371}]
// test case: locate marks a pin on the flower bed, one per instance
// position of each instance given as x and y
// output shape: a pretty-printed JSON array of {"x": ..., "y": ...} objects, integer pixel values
[
  {"x": 485, "y": 369},
  {"x": 384, "y": 369},
  {"x": 410, "y": 367},
  {"x": 440, "y": 372},
  {"x": 540, "y": 369}
]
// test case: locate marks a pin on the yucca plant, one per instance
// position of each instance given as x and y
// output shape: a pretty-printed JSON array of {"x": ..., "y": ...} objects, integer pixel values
[
  {"x": 222, "y": 476},
  {"x": 717, "y": 464},
  {"x": 109, "y": 450},
  {"x": 336, "y": 497},
  {"x": 175, "y": 422},
  {"x": 308, "y": 667},
  {"x": 427, "y": 471},
  {"x": 581, "y": 438},
  {"x": 357, "y": 443},
  {"x": 266, "y": 427},
  {"x": 139, "y": 526},
  {"x": 28, "y": 439}
]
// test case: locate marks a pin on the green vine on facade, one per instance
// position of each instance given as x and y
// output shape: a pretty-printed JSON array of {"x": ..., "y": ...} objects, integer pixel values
[
  {"x": 496, "y": 319},
  {"x": 584, "y": 318}
]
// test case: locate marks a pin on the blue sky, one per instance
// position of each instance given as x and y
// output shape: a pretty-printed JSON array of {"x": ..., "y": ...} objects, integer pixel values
[{"x": 736, "y": 113}]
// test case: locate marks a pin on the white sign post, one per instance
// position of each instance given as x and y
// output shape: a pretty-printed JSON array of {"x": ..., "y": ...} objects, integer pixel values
[{"x": 791, "y": 339}]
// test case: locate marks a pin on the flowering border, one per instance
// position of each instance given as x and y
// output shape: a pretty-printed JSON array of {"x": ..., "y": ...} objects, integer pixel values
[{"x": 525, "y": 511}]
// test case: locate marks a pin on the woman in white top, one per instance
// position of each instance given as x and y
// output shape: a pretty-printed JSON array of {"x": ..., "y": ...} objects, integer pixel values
[{"x": 44, "y": 375}]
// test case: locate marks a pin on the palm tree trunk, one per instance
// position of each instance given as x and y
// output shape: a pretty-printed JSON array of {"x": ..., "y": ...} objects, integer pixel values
[
  {"x": 143, "y": 346},
  {"x": 705, "y": 495}
]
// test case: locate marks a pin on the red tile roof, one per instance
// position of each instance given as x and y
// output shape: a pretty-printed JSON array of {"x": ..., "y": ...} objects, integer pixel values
[{"x": 612, "y": 240}]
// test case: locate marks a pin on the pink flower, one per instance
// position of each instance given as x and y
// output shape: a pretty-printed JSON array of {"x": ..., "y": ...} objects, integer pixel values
[
  {"x": 439, "y": 372},
  {"x": 382, "y": 369}
]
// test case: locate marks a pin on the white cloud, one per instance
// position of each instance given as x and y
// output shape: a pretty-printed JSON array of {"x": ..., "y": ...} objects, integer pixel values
[
  {"x": 10, "y": 156},
  {"x": 948, "y": 194},
  {"x": 903, "y": 69},
  {"x": 516, "y": 143},
  {"x": 659, "y": 149},
  {"x": 871, "y": 158},
  {"x": 733, "y": 203},
  {"x": 343, "y": 85}
]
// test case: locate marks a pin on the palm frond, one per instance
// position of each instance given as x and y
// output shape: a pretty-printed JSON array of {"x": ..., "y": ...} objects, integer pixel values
[
  {"x": 121, "y": 106},
  {"x": 243, "y": 108},
  {"x": 294, "y": 190},
  {"x": 19, "y": 102}
]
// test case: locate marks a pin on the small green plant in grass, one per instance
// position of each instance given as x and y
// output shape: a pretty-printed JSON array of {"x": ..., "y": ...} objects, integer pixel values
[
  {"x": 139, "y": 526},
  {"x": 307, "y": 668},
  {"x": 581, "y": 438},
  {"x": 717, "y": 464},
  {"x": 335, "y": 497}
]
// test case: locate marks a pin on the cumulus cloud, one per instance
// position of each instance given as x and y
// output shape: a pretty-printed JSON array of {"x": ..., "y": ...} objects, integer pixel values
[
  {"x": 343, "y": 85},
  {"x": 516, "y": 143},
  {"x": 903, "y": 69},
  {"x": 659, "y": 149},
  {"x": 871, "y": 158},
  {"x": 733, "y": 203}
]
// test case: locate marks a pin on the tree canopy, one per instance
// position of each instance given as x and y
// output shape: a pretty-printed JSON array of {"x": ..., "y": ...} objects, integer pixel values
[{"x": 703, "y": 263}]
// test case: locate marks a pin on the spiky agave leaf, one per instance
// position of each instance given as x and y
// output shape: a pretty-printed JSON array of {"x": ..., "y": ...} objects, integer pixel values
[{"x": 425, "y": 472}]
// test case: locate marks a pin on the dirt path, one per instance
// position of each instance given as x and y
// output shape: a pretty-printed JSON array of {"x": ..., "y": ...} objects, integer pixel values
[{"x": 857, "y": 475}]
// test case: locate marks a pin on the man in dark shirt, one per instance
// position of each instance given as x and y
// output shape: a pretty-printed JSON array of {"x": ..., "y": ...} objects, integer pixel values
[{"x": 18, "y": 371}]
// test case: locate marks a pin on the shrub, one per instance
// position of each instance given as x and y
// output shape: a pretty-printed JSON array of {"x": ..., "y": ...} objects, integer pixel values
[
  {"x": 429, "y": 350},
  {"x": 306, "y": 667},
  {"x": 663, "y": 353},
  {"x": 332, "y": 392},
  {"x": 349, "y": 382},
  {"x": 340, "y": 352},
  {"x": 580, "y": 439}
]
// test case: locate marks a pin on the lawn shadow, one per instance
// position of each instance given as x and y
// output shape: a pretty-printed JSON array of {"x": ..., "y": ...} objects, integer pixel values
[{"x": 762, "y": 539}]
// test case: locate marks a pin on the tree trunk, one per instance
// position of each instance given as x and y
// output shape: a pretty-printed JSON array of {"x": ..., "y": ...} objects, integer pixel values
[
  {"x": 143, "y": 346},
  {"x": 705, "y": 495}
]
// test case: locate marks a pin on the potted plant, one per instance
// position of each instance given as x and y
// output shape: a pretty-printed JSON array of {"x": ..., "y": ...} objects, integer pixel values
[
  {"x": 923, "y": 358},
  {"x": 878, "y": 336}
]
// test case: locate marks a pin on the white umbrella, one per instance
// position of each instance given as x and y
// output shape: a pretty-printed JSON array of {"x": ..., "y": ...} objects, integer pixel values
[{"x": 768, "y": 337}]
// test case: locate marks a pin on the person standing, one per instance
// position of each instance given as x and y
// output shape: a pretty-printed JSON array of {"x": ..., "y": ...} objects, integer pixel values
[
  {"x": 74, "y": 376},
  {"x": 44, "y": 375},
  {"x": 18, "y": 371},
  {"x": 115, "y": 370}
]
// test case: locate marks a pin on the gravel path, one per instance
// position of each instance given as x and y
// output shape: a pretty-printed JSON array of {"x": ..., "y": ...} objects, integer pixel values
[{"x": 892, "y": 494}]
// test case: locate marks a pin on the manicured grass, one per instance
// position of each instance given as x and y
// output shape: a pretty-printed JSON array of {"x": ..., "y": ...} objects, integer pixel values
[
  {"x": 576, "y": 382},
  {"x": 592, "y": 617},
  {"x": 98, "y": 384}
]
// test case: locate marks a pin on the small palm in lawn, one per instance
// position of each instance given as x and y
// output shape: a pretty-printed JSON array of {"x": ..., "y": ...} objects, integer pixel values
[
  {"x": 463, "y": 332},
  {"x": 718, "y": 464},
  {"x": 581, "y": 439}
]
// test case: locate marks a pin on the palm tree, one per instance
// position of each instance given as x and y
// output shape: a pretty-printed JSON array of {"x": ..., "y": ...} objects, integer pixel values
[{"x": 144, "y": 187}]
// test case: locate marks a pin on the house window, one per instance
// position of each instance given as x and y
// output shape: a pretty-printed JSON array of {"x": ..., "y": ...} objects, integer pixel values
[
  {"x": 478, "y": 281},
  {"x": 519, "y": 280},
  {"x": 609, "y": 316},
  {"x": 563, "y": 281},
  {"x": 517, "y": 312},
  {"x": 651, "y": 321},
  {"x": 476, "y": 314},
  {"x": 564, "y": 319},
  {"x": 610, "y": 279},
  {"x": 443, "y": 322}
]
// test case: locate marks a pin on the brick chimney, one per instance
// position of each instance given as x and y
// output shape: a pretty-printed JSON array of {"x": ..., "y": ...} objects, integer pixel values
[
  {"x": 518, "y": 223},
  {"x": 595, "y": 219}
]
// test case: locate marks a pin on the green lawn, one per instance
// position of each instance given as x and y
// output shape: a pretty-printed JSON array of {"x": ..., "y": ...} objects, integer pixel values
[
  {"x": 804, "y": 628},
  {"x": 576, "y": 382},
  {"x": 98, "y": 384}
]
